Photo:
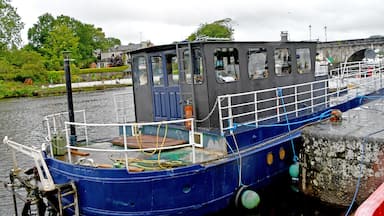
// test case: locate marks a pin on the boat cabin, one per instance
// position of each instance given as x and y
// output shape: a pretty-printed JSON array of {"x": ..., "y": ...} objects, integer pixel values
[{"x": 167, "y": 78}]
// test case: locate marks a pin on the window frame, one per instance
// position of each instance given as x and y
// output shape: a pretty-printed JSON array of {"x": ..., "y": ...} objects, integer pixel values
[
  {"x": 288, "y": 61},
  {"x": 141, "y": 75},
  {"x": 161, "y": 82},
  {"x": 265, "y": 73},
  {"x": 231, "y": 60},
  {"x": 305, "y": 70}
]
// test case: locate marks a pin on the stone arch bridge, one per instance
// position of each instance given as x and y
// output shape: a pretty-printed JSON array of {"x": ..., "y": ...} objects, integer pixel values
[{"x": 351, "y": 50}]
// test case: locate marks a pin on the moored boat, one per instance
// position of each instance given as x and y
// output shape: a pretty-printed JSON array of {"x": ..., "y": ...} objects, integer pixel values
[{"x": 214, "y": 122}]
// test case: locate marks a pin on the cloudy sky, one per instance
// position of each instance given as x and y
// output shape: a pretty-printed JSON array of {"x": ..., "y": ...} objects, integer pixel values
[{"x": 166, "y": 21}]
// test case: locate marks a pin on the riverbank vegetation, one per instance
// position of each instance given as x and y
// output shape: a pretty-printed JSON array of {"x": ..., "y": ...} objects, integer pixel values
[{"x": 27, "y": 70}]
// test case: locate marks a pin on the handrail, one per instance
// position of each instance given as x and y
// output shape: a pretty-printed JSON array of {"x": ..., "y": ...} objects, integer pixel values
[
  {"x": 37, "y": 155},
  {"x": 124, "y": 126},
  {"x": 123, "y": 103},
  {"x": 57, "y": 121},
  {"x": 266, "y": 105}
]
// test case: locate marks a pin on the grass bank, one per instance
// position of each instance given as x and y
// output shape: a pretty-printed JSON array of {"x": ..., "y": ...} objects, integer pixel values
[
  {"x": 13, "y": 84},
  {"x": 16, "y": 89}
]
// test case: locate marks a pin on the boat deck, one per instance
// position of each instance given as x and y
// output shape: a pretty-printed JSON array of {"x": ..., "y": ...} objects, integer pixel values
[{"x": 138, "y": 159}]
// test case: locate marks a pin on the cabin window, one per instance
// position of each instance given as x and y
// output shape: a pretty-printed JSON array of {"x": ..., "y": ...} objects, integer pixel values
[
  {"x": 186, "y": 67},
  {"x": 141, "y": 72},
  {"x": 226, "y": 62},
  {"x": 303, "y": 59},
  {"x": 283, "y": 64},
  {"x": 198, "y": 76},
  {"x": 157, "y": 71},
  {"x": 257, "y": 63},
  {"x": 172, "y": 69}
]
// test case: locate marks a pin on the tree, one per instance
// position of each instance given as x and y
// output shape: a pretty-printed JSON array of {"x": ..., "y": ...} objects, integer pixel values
[
  {"x": 38, "y": 34},
  {"x": 217, "y": 29},
  {"x": 10, "y": 26},
  {"x": 60, "y": 39},
  {"x": 89, "y": 37}
]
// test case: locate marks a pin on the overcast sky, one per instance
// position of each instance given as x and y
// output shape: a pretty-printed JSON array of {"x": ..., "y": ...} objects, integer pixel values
[{"x": 166, "y": 21}]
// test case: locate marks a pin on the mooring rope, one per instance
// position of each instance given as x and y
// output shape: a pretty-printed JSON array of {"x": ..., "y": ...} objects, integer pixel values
[
  {"x": 280, "y": 95},
  {"x": 362, "y": 146}
]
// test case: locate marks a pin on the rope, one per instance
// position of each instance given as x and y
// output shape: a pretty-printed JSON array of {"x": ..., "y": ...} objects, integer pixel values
[
  {"x": 162, "y": 144},
  {"x": 210, "y": 113},
  {"x": 360, "y": 169},
  {"x": 139, "y": 141},
  {"x": 240, "y": 159},
  {"x": 280, "y": 95}
]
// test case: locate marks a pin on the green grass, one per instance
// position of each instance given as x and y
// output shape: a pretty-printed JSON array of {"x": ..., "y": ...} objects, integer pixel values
[{"x": 11, "y": 84}]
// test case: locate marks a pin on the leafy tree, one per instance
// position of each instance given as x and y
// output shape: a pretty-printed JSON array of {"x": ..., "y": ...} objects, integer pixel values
[
  {"x": 38, "y": 34},
  {"x": 10, "y": 26},
  {"x": 89, "y": 37},
  {"x": 60, "y": 39},
  {"x": 110, "y": 42},
  {"x": 217, "y": 29}
]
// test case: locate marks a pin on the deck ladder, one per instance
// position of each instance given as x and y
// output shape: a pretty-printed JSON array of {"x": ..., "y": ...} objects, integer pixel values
[{"x": 65, "y": 190}]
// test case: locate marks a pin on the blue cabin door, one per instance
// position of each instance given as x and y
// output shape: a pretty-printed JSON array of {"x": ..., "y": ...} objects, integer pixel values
[{"x": 165, "y": 86}]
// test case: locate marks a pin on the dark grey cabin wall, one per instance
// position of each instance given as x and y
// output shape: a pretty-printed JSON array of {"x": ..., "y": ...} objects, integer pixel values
[
  {"x": 201, "y": 102},
  {"x": 143, "y": 95},
  {"x": 244, "y": 84},
  {"x": 205, "y": 94}
]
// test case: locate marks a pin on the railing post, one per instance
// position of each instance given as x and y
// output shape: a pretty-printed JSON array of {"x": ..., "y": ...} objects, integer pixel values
[
  {"x": 256, "y": 116},
  {"x": 220, "y": 115},
  {"x": 85, "y": 127},
  {"x": 192, "y": 139},
  {"x": 337, "y": 88},
  {"x": 326, "y": 92},
  {"x": 125, "y": 146},
  {"x": 312, "y": 98},
  {"x": 54, "y": 124},
  {"x": 277, "y": 105},
  {"x": 68, "y": 143},
  {"x": 296, "y": 105},
  {"x": 49, "y": 136},
  {"x": 230, "y": 115},
  {"x": 380, "y": 72}
]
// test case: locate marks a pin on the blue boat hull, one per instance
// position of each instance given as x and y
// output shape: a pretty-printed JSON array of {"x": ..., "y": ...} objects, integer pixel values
[{"x": 191, "y": 190}]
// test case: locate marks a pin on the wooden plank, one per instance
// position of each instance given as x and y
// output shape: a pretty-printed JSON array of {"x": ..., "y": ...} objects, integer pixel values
[
  {"x": 130, "y": 168},
  {"x": 146, "y": 141},
  {"x": 79, "y": 153}
]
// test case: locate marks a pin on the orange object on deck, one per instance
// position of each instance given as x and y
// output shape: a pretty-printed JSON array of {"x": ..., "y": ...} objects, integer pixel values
[
  {"x": 188, "y": 111},
  {"x": 374, "y": 205},
  {"x": 336, "y": 115},
  {"x": 79, "y": 153},
  {"x": 146, "y": 141}
]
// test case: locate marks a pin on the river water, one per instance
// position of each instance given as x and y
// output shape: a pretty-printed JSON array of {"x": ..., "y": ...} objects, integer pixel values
[{"x": 21, "y": 120}]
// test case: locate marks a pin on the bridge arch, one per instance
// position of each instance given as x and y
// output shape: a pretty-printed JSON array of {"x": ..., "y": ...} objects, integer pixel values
[{"x": 357, "y": 56}]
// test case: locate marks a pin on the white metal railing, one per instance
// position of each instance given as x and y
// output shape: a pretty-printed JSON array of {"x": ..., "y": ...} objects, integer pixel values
[
  {"x": 258, "y": 107},
  {"x": 124, "y": 107},
  {"x": 55, "y": 124},
  {"x": 37, "y": 155},
  {"x": 353, "y": 68},
  {"x": 191, "y": 142}
]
